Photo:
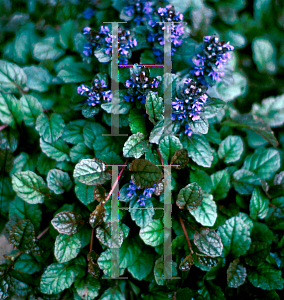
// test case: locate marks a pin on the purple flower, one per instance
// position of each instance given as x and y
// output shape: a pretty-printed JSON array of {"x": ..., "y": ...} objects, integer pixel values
[
  {"x": 213, "y": 53},
  {"x": 132, "y": 189},
  {"x": 189, "y": 103}
]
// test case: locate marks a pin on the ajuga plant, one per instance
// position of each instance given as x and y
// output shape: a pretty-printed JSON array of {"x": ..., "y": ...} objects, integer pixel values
[{"x": 105, "y": 191}]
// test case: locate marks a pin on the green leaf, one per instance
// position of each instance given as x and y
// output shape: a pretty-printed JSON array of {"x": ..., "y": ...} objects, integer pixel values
[
  {"x": 271, "y": 110},
  {"x": 73, "y": 132},
  {"x": 11, "y": 112},
  {"x": 44, "y": 164},
  {"x": 110, "y": 234},
  {"x": 144, "y": 173},
  {"x": 111, "y": 158},
  {"x": 31, "y": 108},
  {"x": 38, "y": 78},
  {"x": 212, "y": 109},
  {"x": 238, "y": 88},
  {"x": 129, "y": 252},
  {"x": 22, "y": 235},
  {"x": 66, "y": 247},
  {"x": 50, "y": 128},
  {"x": 206, "y": 213},
  {"x": 84, "y": 193},
  {"x": 137, "y": 121},
  {"x": 76, "y": 72},
  {"x": 102, "y": 56},
  {"x": 159, "y": 270},
  {"x": 9, "y": 139},
  {"x": 23, "y": 162},
  {"x": 198, "y": 149},
  {"x": 231, "y": 149},
  {"x": 141, "y": 215},
  {"x": 80, "y": 151},
  {"x": 87, "y": 287},
  {"x": 104, "y": 262},
  {"x": 47, "y": 49},
  {"x": 255, "y": 124},
  {"x": 152, "y": 234},
  {"x": 57, "y": 278},
  {"x": 27, "y": 264},
  {"x": 244, "y": 181},
  {"x": 123, "y": 194},
  {"x": 154, "y": 107},
  {"x": 264, "y": 163},
  {"x": 220, "y": 184},
  {"x": 208, "y": 242},
  {"x": 258, "y": 204},
  {"x": 210, "y": 291},
  {"x": 67, "y": 222},
  {"x": 199, "y": 126},
  {"x": 186, "y": 263},
  {"x": 259, "y": 249},
  {"x": 67, "y": 31},
  {"x": 58, "y": 150},
  {"x": 91, "y": 171},
  {"x": 29, "y": 186},
  {"x": 190, "y": 196},
  {"x": 11, "y": 77},
  {"x": 264, "y": 55},
  {"x": 135, "y": 146},
  {"x": 236, "y": 274},
  {"x": 158, "y": 131},
  {"x": 142, "y": 266},
  {"x": 112, "y": 293},
  {"x": 235, "y": 236},
  {"x": 58, "y": 181},
  {"x": 26, "y": 211},
  {"x": 168, "y": 146},
  {"x": 266, "y": 277},
  {"x": 202, "y": 179}
]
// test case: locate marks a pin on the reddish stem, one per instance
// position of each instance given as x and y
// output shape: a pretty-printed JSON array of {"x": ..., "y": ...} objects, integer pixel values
[
  {"x": 92, "y": 237},
  {"x": 41, "y": 234},
  {"x": 3, "y": 126},
  {"x": 115, "y": 183},
  {"x": 160, "y": 156},
  {"x": 185, "y": 233}
]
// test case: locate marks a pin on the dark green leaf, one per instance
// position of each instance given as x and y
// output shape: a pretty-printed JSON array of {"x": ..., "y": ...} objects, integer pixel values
[
  {"x": 84, "y": 193},
  {"x": 244, "y": 181},
  {"x": 57, "y": 278},
  {"x": 236, "y": 274},
  {"x": 220, "y": 184},
  {"x": 144, "y": 173},
  {"x": 153, "y": 233},
  {"x": 141, "y": 215},
  {"x": 73, "y": 132},
  {"x": 135, "y": 146},
  {"x": 11, "y": 76},
  {"x": 199, "y": 126},
  {"x": 58, "y": 150},
  {"x": 87, "y": 287},
  {"x": 168, "y": 147},
  {"x": 159, "y": 270},
  {"x": 110, "y": 234},
  {"x": 208, "y": 242},
  {"x": 231, "y": 149},
  {"x": 32, "y": 108},
  {"x": 190, "y": 196},
  {"x": 202, "y": 179},
  {"x": 67, "y": 222},
  {"x": 76, "y": 72},
  {"x": 137, "y": 121},
  {"x": 30, "y": 187},
  {"x": 91, "y": 171},
  {"x": 66, "y": 247},
  {"x": 58, "y": 181},
  {"x": 22, "y": 235},
  {"x": 154, "y": 107},
  {"x": 258, "y": 204}
]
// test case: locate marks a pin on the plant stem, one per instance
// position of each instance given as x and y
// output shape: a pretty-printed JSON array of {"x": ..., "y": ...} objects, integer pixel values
[
  {"x": 160, "y": 156},
  {"x": 41, "y": 234},
  {"x": 115, "y": 183},
  {"x": 185, "y": 233},
  {"x": 92, "y": 238}
]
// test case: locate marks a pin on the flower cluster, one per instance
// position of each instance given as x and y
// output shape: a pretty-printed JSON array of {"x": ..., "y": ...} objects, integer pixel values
[
  {"x": 212, "y": 59},
  {"x": 147, "y": 193},
  {"x": 166, "y": 14},
  {"x": 102, "y": 39},
  {"x": 139, "y": 9},
  {"x": 189, "y": 104},
  {"x": 140, "y": 84},
  {"x": 96, "y": 94}
]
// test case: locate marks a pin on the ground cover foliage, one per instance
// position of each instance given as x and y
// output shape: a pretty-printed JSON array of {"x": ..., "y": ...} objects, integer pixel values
[{"x": 226, "y": 157}]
